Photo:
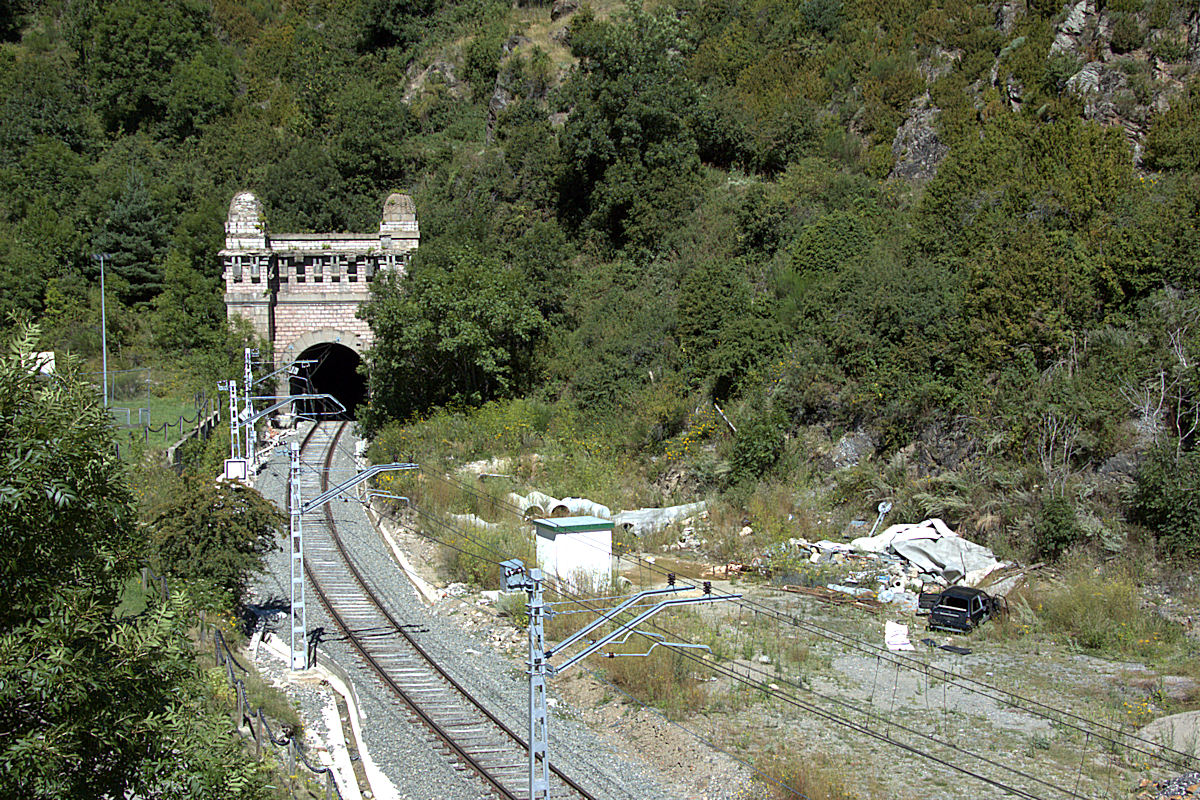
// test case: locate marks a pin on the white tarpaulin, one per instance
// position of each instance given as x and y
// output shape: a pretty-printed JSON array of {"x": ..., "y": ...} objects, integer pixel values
[
  {"x": 932, "y": 547},
  {"x": 882, "y": 542}
]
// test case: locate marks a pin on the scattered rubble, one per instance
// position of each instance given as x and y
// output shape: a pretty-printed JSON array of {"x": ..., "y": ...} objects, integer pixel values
[{"x": 1187, "y": 785}]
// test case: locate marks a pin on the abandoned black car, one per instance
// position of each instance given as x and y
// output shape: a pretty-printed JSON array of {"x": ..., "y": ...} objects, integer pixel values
[{"x": 960, "y": 609}]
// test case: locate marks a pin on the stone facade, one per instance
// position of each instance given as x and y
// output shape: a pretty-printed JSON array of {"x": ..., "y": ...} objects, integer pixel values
[{"x": 303, "y": 289}]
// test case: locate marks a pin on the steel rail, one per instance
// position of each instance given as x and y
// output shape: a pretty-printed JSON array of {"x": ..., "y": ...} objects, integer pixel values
[{"x": 357, "y": 642}]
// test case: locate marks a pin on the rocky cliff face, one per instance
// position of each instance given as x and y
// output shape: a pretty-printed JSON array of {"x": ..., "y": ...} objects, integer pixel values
[
  {"x": 1126, "y": 62},
  {"x": 917, "y": 150},
  {"x": 1131, "y": 64}
]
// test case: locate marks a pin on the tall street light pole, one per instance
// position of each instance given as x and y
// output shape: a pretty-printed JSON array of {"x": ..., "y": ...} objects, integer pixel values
[{"x": 103, "y": 327}]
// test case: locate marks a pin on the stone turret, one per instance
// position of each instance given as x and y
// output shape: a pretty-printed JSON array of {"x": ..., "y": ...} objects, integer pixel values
[
  {"x": 399, "y": 215},
  {"x": 244, "y": 228}
]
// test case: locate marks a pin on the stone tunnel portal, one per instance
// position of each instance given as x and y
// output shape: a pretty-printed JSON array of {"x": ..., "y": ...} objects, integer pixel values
[{"x": 335, "y": 372}]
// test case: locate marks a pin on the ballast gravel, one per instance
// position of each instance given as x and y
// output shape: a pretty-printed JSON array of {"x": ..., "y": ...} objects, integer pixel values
[{"x": 404, "y": 750}]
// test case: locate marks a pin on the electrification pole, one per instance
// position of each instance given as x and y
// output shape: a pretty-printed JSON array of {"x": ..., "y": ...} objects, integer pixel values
[
  {"x": 247, "y": 385},
  {"x": 103, "y": 328},
  {"x": 299, "y": 617},
  {"x": 539, "y": 735},
  {"x": 516, "y": 576},
  {"x": 235, "y": 444}
]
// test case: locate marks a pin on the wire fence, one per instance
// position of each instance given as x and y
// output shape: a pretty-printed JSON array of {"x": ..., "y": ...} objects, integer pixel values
[
  {"x": 132, "y": 404},
  {"x": 201, "y": 423},
  {"x": 251, "y": 723}
]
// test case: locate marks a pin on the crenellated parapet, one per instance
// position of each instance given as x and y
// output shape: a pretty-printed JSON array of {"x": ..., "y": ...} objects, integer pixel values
[{"x": 291, "y": 285}]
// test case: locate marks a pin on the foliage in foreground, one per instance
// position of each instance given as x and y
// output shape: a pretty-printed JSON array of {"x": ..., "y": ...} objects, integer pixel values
[
  {"x": 213, "y": 536},
  {"x": 92, "y": 704}
]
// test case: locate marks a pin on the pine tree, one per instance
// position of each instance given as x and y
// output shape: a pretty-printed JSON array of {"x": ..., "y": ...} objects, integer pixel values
[{"x": 132, "y": 236}]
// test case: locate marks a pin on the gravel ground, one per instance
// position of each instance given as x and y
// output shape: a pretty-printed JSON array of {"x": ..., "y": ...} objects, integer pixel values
[{"x": 403, "y": 749}]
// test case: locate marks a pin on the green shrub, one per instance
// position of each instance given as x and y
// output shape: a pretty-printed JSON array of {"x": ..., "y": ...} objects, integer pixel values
[
  {"x": 1127, "y": 33},
  {"x": 1059, "y": 68},
  {"x": 1165, "y": 499},
  {"x": 1056, "y": 527},
  {"x": 757, "y": 446},
  {"x": 1169, "y": 48},
  {"x": 481, "y": 61},
  {"x": 214, "y": 536}
]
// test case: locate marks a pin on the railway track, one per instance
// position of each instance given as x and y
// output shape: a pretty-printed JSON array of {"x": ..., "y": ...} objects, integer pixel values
[{"x": 467, "y": 731}]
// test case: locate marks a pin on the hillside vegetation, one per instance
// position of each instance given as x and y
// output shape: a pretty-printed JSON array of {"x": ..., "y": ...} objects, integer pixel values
[{"x": 940, "y": 253}]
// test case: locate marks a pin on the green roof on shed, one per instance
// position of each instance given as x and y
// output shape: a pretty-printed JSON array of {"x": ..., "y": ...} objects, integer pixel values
[{"x": 573, "y": 524}]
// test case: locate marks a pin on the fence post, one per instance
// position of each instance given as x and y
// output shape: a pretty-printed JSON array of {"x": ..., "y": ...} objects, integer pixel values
[
  {"x": 329, "y": 785},
  {"x": 291, "y": 748},
  {"x": 145, "y": 578},
  {"x": 258, "y": 726},
  {"x": 163, "y": 592}
]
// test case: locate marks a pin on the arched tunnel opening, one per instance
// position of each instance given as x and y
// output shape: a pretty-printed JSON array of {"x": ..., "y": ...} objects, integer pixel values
[{"x": 335, "y": 372}]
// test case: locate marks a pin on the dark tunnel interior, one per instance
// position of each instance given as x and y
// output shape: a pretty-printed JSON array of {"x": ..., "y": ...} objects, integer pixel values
[{"x": 335, "y": 372}]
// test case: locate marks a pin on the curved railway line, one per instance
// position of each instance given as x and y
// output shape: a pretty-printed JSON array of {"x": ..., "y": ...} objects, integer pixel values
[{"x": 474, "y": 736}]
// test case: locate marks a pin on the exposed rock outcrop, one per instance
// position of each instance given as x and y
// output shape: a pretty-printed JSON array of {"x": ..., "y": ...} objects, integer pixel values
[
  {"x": 562, "y": 8},
  {"x": 917, "y": 150},
  {"x": 1078, "y": 30},
  {"x": 438, "y": 72}
]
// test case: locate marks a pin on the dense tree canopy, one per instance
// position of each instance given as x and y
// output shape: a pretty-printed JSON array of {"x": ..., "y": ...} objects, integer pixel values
[
  {"x": 861, "y": 215},
  {"x": 459, "y": 328},
  {"x": 92, "y": 703}
]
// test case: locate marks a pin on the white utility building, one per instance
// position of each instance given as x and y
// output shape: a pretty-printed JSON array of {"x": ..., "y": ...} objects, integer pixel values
[{"x": 576, "y": 550}]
